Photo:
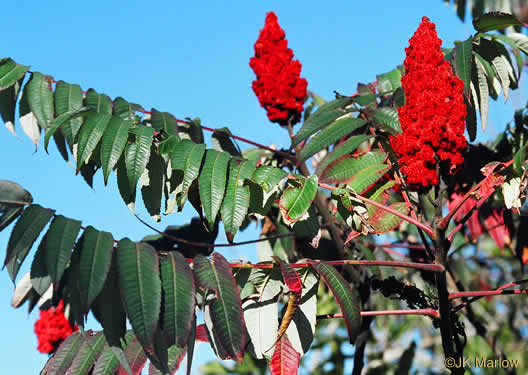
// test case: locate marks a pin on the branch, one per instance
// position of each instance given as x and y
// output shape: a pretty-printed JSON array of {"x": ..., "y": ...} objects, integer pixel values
[
  {"x": 484, "y": 293},
  {"x": 211, "y": 245},
  {"x": 425, "y": 312}
]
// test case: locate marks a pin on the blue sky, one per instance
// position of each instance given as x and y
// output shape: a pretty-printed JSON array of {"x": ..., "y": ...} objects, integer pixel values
[{"x": 192, "y": 61}]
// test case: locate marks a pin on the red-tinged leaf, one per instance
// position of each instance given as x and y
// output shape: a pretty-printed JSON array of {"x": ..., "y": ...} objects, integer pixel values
[
  {"x": 136, "y": 357},
  {"x": 201, "y": 333},
  {"x": 290, "y": 276},
  {"x": 494, "y": 223},
  {"x": 488, "y": 186},
  {"x": 345, "y": 297},
  {"x": 353, "y": 234},
  {"x": 285, "y": 360},
  {"x": 524, "y": 257},
  {"x": 383, "y": 221},
  {"x": 473, "y": 223}
]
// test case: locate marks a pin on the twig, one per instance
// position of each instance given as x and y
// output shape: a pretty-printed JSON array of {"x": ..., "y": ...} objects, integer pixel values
[
  {"x": 211, "y": 245},
  {"x": 427, "y": 312},
  {"x": 484, "y": 293}
]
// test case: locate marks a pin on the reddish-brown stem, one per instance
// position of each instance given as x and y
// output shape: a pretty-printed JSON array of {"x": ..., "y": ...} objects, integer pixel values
[
  {"x": 500, "y": 288},
  {"x": 485, "y": 293},
  {"x": 426, "y": 312},
  {"x": 378, "y": 263}
]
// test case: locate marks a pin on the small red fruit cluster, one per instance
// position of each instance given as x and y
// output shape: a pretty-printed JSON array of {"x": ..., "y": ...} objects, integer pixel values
[
  {"x": 433, "y": 117},
  {"x": 52, "y": 328},
  {"x": 280, "y": 89}
]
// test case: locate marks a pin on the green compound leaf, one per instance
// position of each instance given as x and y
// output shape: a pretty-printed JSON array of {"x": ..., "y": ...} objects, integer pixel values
[
  {"x": 164, "y": 121},
  {"x": 330, "y": 135},
  {"x": 296, "y": 201},
  {"x": 345, "y": 297},
  {"x": 11, "y": 72},
  {"x": 226, "y": 307},
  {"x": 236, "y": 201},
  {"x": 344, "y": 168},
  {"x": 140, "y": 286},
  {"x": 367, "y": 176},
  {"x": 347, "y": 147},
  {"x": 212, "y": 184},
  {"x": 482, "y": 84},
  {"x": 40, "y": 98},
  {"x": 91, "y": 133},
  {"x": 179, "y": 298},
  {"x": 268, "y": 177},
  {"x": 386, "y": 118},
  {"x": 95, "y": 260},
  {"x": 60, "y": 239},
  {"x": 100, "y": 103},
  {"x": 13, "y": 198},
  {"x": 325, "y": 114},
  {"x": 24, "y": 234},
  {"x": 8, "y": 99},
  {"x": 495, "y": 21},
  {"x": 384, "y": 221},
  {"x": 187, "y": 157},
  {"x": 68, "y": 99},
  {"x": 113, "y": 143},
  {"x": 462, "y": 61},
  {"x": 63, "y": 358},
  {"x": 87, "y": 355},
  {"x": 137, "y": 155}
]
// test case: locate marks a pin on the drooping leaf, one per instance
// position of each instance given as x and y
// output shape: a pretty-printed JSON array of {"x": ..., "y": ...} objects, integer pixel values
[
  {"x": 176, "y": 355},
  {"x": 13, "y": 198},
  {"x": 212, "y": 184},
  {"x": 151, "y": 183},
  {"x": 135, "y": 356},
  {"x": 128, "y": 195},
  {"x": 113, "y": 143},
  {"x": 68, "y": 99},
  {"x": 268, "y": 177},
  {"x": 179, "y": 298},
  {"x": 494, "y": 21},
  {"x": 236, "y": 201},
  {"x": 60, "y": 239},
  {"x": 22, "y": 291},
  {"x": 345, "y": 297},
  {"x": 296, "y": 201},
  {"x": 24, "y": 234},
  {"x": 285, "y": 360},
  {"x": 40, "y": 278},
  {"x": 28, "y": 121},
  {"x": 226, "y": 307},
  {"x": 345, "y": 167},
  {"x": 63, "y": 358},
  {"x": 88, "y": 353},
  {"x": 8, "y": 99},
  {"x": 55, "y": 130},
  {"x": 187, "y": 157},
  {"x": 11, "y": 72},
  {"x": 324, "y": 115},
  {"x": 462, "y": 62},
  {"x": 99, "y": 103},
  {"x": 137, "y": 154},
  {"x": 482, "y": 85},
  {"x": 521, "y": 41},
  {"x": 164, "y": 121},
  {"x": 347, "y": 147},
  {"x": 107, "y": 362},
  {"x": 140, "y": 286},
  {"x": 290, "y": 276},
  {"x": 40, "y": 98},
  {"x": 109, "y": 311},
  {"x": 90, "y": 135},
  {"x": 329, "y": 136},
  {"x": 94, "y": 265},
  {"x": 499, "y": 64}
]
